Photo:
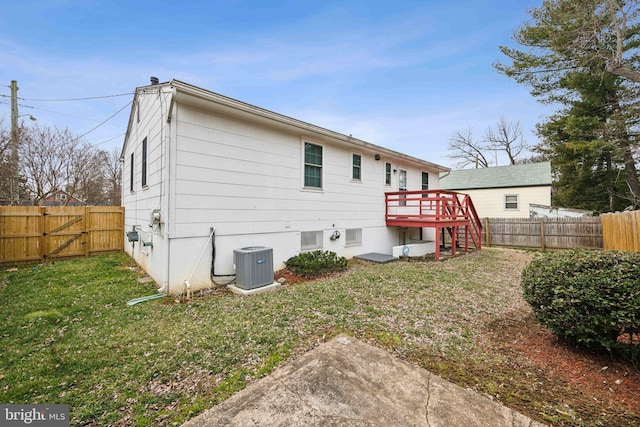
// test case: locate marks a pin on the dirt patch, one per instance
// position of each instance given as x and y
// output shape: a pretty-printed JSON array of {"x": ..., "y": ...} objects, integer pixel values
[
  {"x": 292, "y": 278},
  {"x": 606, "y": 389},
  {"x": 289, "y": 277}
]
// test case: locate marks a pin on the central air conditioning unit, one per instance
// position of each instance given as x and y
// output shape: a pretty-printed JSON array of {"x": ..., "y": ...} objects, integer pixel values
[{"x": 254, "y": 266}]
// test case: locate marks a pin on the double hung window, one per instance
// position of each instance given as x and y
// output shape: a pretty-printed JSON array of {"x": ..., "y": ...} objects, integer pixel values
[{"x": 312, "y": 165}]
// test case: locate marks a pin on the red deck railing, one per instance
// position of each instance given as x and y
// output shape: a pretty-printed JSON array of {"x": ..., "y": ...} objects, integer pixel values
[{"x": 437, "y": 209}]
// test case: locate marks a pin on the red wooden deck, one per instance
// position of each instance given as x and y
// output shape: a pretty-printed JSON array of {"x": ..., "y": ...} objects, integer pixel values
[{"x": 437, "y": 209}]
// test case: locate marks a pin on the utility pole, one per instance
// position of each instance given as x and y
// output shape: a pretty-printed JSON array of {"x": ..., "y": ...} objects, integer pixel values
[{"x": 14, "y": 166}]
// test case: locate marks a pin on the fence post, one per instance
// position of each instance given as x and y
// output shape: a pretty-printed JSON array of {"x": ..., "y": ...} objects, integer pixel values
[
  {"x": 85, "y": 231},
  {"x": 542, "y": 242},
  {"x": 43, "y": 238},
  {"x": 487, "y": 240}
]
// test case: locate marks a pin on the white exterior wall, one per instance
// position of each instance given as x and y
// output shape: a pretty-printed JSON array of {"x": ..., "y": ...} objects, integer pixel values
[
  {"x": 491, "y": 202},
  {"x": 246, "y": 180},
  {"x": 141, "y": 201}
]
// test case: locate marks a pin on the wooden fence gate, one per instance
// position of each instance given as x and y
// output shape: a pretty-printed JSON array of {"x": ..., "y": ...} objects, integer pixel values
[{"x": 33, "y": 233}]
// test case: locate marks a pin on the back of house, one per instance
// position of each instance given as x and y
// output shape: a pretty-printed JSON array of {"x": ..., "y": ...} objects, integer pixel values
[{"x": 197, "y": 161}]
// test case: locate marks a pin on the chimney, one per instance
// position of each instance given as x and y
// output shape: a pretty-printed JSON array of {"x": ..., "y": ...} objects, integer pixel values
[{"x": 154, "y": 81}]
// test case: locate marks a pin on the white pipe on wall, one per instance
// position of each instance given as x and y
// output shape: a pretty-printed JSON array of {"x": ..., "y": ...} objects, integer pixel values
[{"x": 167, "y": 196}]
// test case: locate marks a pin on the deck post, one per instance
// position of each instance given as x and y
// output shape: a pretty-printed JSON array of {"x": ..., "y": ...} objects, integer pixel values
[
  {"x": 437, "y": 244},
  {"x": 466, "y": 238},
  {"x": 454, "y": 239}
]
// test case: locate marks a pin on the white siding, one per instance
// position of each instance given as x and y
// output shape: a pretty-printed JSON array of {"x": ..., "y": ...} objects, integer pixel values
[
  {"x": 248, "y": 179},
  {"x": 141, "y": 201},
  {"x": 490, "y": 202}
]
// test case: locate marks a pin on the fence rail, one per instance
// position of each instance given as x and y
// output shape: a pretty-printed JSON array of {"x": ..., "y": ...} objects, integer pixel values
[
  {"x": 544, "y": 233},
  {"x": 32, "y": 233},
  {"x": 621, "y": 231}
]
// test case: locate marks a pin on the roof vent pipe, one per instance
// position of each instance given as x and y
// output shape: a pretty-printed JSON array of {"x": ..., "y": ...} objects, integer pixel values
[{"x": 154, "y": 81}]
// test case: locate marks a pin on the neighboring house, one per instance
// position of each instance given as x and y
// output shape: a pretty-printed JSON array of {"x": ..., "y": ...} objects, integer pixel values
[
  {"x": 503, "y": 191},
  {"x": 61, "y": 198},
  {"x": 195, "y": 160}
]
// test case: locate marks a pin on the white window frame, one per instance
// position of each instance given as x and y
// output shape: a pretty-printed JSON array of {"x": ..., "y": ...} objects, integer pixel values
[
  {"x": 507, "y": 202},
  {"x": 402, "y": 198},
  {"x": 144, "y": 163},
  {"x": 422, "y": 187},
  {"x": 422, "y": 175},
  {"x": 132, "y": 175},
  {"x": 387, "y": 175},
  {"x": 353, "y": 237},
  {"x": 316, "y": 236},
  {"x": 353, "y": 166},
  {"x": 304, "y": 165}
]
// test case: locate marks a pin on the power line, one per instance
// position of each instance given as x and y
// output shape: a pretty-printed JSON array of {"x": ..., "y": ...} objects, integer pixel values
[
  {"x": 110, "y": 139},
  {"x": 76, "y": 99},
  {"x": 106, "y": 120},
  {"x": 57, "y": 112}
]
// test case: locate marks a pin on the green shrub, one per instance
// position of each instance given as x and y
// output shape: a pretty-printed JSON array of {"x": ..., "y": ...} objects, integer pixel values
[
  {"x": 589, "y": 298},
  {"x": 316, "y": 263}
]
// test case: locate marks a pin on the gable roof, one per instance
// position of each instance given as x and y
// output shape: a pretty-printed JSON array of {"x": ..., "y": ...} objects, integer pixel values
[
  {"x": 187, "y": 93},
  {"x": 526, "y": 175},
  {"x": 53, "y": 195}
]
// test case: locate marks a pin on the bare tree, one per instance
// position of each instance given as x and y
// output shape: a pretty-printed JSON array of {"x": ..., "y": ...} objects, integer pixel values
[
  {"x": 113, "y": 177},
  {"x": 465, "y": 150},
  {"x": 5, "y": 140},
  {"x": 508, "y": 137},
  {"x": 53, "y": 159},
  {"x": 44, "y": 157},
  {"x": 85, "y": 174},
  {"x": 5, "y": 168}
]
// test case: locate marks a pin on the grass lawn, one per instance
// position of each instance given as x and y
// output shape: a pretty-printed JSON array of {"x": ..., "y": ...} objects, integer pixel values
[{"x": 69, "y": 337}]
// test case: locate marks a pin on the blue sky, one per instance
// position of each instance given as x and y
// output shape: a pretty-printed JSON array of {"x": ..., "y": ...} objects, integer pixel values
[{"x": 401, "y": 74}]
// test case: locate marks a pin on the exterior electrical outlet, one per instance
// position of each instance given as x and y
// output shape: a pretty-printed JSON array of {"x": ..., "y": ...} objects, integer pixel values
[{"x": 254, "y": 267}]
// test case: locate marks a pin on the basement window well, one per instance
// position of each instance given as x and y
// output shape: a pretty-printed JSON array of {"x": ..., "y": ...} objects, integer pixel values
[
  {"x": 353, "y": 237},
  {"x": 310, "y": 240}
]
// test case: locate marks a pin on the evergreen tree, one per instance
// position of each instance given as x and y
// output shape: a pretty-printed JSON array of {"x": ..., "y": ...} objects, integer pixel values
[{"x": 592, "y": 139}]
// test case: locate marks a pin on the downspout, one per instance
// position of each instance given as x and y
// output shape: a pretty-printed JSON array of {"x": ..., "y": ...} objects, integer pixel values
[
  {"x": 121, "y": 161},
  {"x": 167, "y": 196}
]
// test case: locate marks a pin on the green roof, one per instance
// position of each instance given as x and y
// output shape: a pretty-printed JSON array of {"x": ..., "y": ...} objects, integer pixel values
[{"x": 526, "y": 175}]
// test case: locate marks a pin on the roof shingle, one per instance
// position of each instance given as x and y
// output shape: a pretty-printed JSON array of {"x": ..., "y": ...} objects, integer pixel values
[{"x": 525, "y": 175}]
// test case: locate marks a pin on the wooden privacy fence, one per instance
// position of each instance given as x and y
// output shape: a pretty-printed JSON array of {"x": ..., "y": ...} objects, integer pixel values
[
  {"x": 544, "y": 233},
  {"x": 33, "y": 233},
  {"x": 621, "y": 231}
]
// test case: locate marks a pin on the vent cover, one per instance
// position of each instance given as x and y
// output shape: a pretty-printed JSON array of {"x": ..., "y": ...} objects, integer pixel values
[{"x": 254, "y": 267}]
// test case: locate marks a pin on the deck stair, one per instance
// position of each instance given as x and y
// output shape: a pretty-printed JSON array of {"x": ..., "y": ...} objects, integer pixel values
[{"x": 438, "y": 209}]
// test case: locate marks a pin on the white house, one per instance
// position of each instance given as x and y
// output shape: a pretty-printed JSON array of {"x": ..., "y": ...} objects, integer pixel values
[
  {"x": 503, "y": 191},
  {"x": 195, "y": 161}
]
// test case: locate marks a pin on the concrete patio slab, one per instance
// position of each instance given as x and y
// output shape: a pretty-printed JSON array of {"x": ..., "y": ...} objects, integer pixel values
[{"x": 345, "y": 382}]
